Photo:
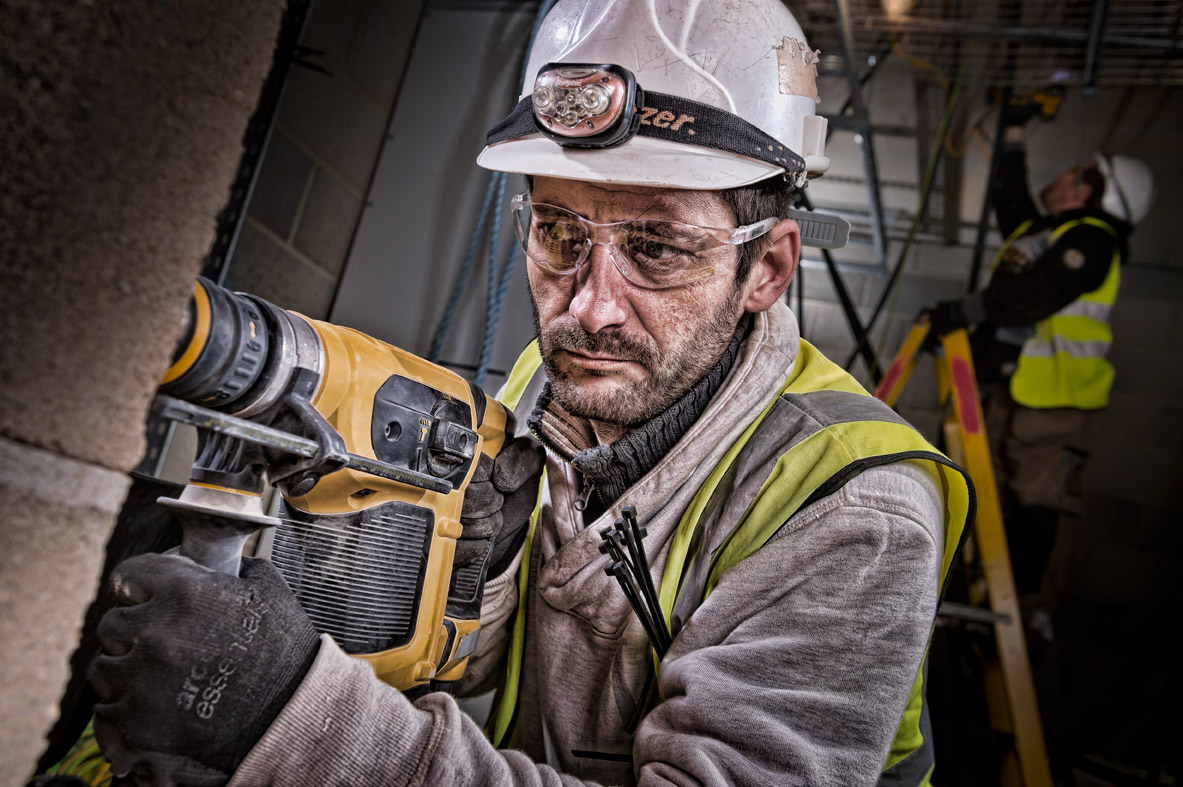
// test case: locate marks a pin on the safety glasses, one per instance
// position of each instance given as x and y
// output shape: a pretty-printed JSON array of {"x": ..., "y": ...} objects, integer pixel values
[{"x": 649, "y": 253}]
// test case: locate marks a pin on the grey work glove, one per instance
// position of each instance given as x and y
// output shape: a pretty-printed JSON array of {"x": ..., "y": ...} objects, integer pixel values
[
  {"x": 498, "y": 503},
  {"x": 195, "y": 665}
]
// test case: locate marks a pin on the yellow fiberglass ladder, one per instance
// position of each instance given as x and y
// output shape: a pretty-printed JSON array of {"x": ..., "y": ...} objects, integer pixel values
[{"x": 1010, "y": 689}]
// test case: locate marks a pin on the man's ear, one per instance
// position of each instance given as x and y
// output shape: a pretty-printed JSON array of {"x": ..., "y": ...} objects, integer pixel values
[{"x": 771, "y": 274}]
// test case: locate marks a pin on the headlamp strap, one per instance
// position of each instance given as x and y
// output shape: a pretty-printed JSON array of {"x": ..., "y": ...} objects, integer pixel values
[
  {"x": 518, "y": 123},
  {"x": 675, "y": 119}
]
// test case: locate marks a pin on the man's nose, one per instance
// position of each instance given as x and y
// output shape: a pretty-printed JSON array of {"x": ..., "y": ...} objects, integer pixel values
[{"x": 600, "y": 299}]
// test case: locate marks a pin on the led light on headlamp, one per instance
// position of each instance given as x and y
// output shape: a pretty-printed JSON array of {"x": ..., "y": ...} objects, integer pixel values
[{"x": 590, "y": 106}]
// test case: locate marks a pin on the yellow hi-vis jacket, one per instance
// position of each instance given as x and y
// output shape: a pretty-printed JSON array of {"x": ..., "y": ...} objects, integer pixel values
[
  {"x": 1065, "y": 363},
  {"x": 850, "y": 431}
]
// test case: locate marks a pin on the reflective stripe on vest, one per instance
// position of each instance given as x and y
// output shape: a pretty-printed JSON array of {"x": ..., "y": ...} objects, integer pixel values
[
  {"x": 1065, "y": 363},
  {"x": 1044, "y": 348},
  {"x": 1091, "y": 309},
  {"x": 846, "y": 432},
  {"x": 505, "y": 706}
]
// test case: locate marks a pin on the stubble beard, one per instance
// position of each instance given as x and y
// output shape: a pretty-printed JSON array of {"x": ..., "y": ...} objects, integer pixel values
[{"x": 668, "y": 375}]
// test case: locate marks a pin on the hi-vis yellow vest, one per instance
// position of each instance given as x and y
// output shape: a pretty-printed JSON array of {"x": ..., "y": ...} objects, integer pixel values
[
  {"x": 1065, "y": 363},
  {"x": 848, "y": 431}
]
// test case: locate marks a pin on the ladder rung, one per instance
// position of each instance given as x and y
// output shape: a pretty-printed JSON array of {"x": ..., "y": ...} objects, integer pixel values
[{"x": 952, "y": 609}]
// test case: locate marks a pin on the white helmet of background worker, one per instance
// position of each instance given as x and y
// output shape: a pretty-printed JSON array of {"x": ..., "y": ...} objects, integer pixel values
[
  {"x": 1129, "y": 187},
  {"x": 729, "y": 96}
]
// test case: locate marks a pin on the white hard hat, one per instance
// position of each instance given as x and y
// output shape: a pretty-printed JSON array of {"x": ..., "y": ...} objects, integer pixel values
[
  {"x": 726, "y": 96},
  {"x": 1129, "y": 187}
]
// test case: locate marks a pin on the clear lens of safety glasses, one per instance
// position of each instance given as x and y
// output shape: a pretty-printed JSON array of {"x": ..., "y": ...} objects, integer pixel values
[{"x": 649, "y": 253}]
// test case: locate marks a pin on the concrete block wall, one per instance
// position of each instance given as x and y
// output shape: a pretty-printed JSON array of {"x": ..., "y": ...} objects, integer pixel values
[
  {"x": 121, "y": 135},
  {"x": 316, "y": 173},
  {"x": 428, "y": 192}
]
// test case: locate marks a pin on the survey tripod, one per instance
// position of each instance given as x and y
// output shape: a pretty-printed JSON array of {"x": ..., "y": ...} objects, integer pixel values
[{"x": 1010, "y": 689}]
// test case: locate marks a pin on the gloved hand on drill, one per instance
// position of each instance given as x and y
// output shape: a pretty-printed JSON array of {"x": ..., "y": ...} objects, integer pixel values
[
  {"x": 498, "y": 503},
  {"x": 195, "y": 666},
  {"x": 1020, "y": 108}
]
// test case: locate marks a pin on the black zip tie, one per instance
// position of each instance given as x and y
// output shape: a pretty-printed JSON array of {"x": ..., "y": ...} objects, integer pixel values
[
  {"x": 610, "y": 545},
  {"x": 631, "y": 592},
  {"x": 633, "y": 560},
  {"x": 640, "y": 569},
  {"x": 626, "y": 575},
  {"x": 638, "y": 534},
  {"x": 629, "y": 586}
]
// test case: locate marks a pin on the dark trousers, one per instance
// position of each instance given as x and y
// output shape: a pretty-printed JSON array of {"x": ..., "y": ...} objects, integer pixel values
[{"x": 1040, "y": 462}]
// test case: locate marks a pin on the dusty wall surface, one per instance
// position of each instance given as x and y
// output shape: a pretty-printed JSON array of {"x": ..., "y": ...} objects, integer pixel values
[
  {"x": 328, "y": 137},
  {"x": 121, "y": 125}
]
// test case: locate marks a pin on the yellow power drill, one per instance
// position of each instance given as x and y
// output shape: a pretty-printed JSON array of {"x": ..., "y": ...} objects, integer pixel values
[{"x": 371, "y": 448}]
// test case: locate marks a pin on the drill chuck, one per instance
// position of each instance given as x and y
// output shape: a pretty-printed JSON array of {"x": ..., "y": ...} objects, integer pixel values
[{"x": 239, "y": 352}]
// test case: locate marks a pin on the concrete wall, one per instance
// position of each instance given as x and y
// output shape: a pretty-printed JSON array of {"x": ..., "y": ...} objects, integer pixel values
[
  {"x": 315, "y": 176},
  {"x": 427, "y": 193},
  {"x": 121, "y": 128}
]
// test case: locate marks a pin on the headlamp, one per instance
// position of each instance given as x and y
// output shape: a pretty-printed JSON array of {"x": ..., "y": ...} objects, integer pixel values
[
  {"x": 586, "y": 105},
  {"x": 582, "y": 105}
]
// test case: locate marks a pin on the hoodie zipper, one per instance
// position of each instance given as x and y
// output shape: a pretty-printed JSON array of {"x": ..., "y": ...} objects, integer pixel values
[{"x": 581, "y": 502}]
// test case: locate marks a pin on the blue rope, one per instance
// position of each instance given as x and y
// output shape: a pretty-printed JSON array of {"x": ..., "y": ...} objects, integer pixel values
[
  {"x": 441, "y": 333},
  {"x": 495, "y": 299},
  {"x": 492, "y": 302},
  {"x": 507, "y": 268}
]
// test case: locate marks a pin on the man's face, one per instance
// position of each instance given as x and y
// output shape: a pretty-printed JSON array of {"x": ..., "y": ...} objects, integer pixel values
[
  {"x": 1066, "y": 192},
  {"x": 617, "y": 353}
]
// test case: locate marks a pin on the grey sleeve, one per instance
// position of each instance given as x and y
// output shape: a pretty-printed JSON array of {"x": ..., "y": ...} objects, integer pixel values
[
  {"x": 345, "y": 728},
  {"x": 796, "y": 670}
]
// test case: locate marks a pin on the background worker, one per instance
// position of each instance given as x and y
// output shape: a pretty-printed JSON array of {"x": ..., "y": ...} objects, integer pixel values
[
  {"x": 668, "y": 376},
  {"x": 1043, "y": 335}
]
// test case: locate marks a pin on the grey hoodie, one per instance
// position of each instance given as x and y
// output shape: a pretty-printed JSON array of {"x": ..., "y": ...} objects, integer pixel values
[{"x": 795, "y": 670}]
